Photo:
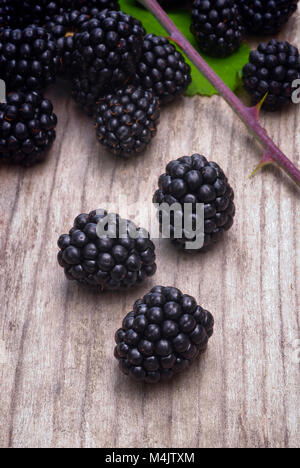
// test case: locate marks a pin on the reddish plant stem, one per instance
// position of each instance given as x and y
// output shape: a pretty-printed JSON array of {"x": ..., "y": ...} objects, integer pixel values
[{"x": 249, "y": 115}]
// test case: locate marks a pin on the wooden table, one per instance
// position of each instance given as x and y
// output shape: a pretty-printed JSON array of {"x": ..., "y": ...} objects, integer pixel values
[{"x": 59, "y": 383}]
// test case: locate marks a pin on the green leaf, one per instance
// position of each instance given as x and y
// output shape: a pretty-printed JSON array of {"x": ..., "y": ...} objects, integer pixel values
[{"x": 228, "y": 69}]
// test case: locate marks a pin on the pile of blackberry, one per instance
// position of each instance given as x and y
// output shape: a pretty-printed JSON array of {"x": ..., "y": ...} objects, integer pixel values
[
  {"x": 220, "y": 25},
  {"x": 106, "y": 55},
  {"x": 113, "y": 65},
  {"x": 118, "y": 257}
]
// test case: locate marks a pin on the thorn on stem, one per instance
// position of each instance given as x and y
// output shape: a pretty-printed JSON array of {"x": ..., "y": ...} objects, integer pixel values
[{"x": 265, "y": 161}]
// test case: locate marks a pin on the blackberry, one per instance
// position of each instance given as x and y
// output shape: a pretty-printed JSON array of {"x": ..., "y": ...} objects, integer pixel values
[
  {"x": 272, "y": 68},
  {"x": 107, "y": 49},
  {"x": 266, "y": 16},
  {"x": 217, "y": 27},
  {"x": 63, "y": 27},
  {"x": 126, "y": 120},
  {"x": 28, "y": 58},
  {"x": 163, "y": 335},
  {"x": 27, "y": 128},
  {"x": 85, "y": 94},
  {"x": 22, "y": 13},
  {"x": 193, "y": 180},
  {"x": 37, "y": 11},
  {"x": 123, "y": 257},
  {"x": 162, "y": 69}
]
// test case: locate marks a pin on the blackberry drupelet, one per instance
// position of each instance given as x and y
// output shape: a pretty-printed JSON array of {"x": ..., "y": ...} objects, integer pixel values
[
  {"x": 217, "y": 26},
  {"x": 266, "y": 16},
  {"x": 7, "y": 13},
  {"x": 272, "y": 68},
  {"x": 27, "y": 128},
  {"x": 122, "y": 258},
  {"x": 163, "y": 334},
  {"x": 162, "y": 69},
  {"x": 193, "y": 180},
  {"x": 28, "y": 58},
  {"x": 107, "y": 49},
  {"x": 126, "y": 120}
]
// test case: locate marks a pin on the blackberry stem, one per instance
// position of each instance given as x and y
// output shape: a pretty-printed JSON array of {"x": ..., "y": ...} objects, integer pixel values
[{"x": 249, "y": 115}]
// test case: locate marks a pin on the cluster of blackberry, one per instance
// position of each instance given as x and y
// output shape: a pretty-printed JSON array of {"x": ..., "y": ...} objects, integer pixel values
[
  {"x": 166, "y": 330},
  {"x": 122, "y": 77},
  {"x": 119, "y": 75},
  {"x": 220, "y": 27}
]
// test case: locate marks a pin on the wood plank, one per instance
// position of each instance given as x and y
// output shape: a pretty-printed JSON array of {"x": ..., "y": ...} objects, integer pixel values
[{"x": 59, "y": 382}]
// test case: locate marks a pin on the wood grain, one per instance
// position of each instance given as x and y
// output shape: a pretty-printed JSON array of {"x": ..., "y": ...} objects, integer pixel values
[{"x": 59, "y": 383}]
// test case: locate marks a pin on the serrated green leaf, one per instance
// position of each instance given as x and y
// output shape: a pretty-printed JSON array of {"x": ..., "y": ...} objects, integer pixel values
[{"x": 228, "y": 69}]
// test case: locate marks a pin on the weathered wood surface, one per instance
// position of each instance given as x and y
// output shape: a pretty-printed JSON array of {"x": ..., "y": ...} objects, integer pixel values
[{"x": 60, "y": 385}]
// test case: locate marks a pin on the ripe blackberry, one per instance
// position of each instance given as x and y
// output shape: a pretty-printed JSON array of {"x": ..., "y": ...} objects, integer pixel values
[
  {"x": 63, "y": 27},
  {"x": 107, "y": 49},
  {"x": 27, "y": 124},
  {"x": 122, "y": 258},
  {"x": 85, "y": 94},
  {"x": 126, "y": 121},
  {"x": 272, "y": 68},
  {"x": 193, "y": 180},
  {"x": 28, "y": 58},
  {"x": 37, "y": 11},
  {"x": 266, "y": 16},
  {"x": 217, "y": 26},
  {"x": 163, "y": 334},
  {"x": 22, "y": 13},
  {"x": 162, "y": 69}
]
